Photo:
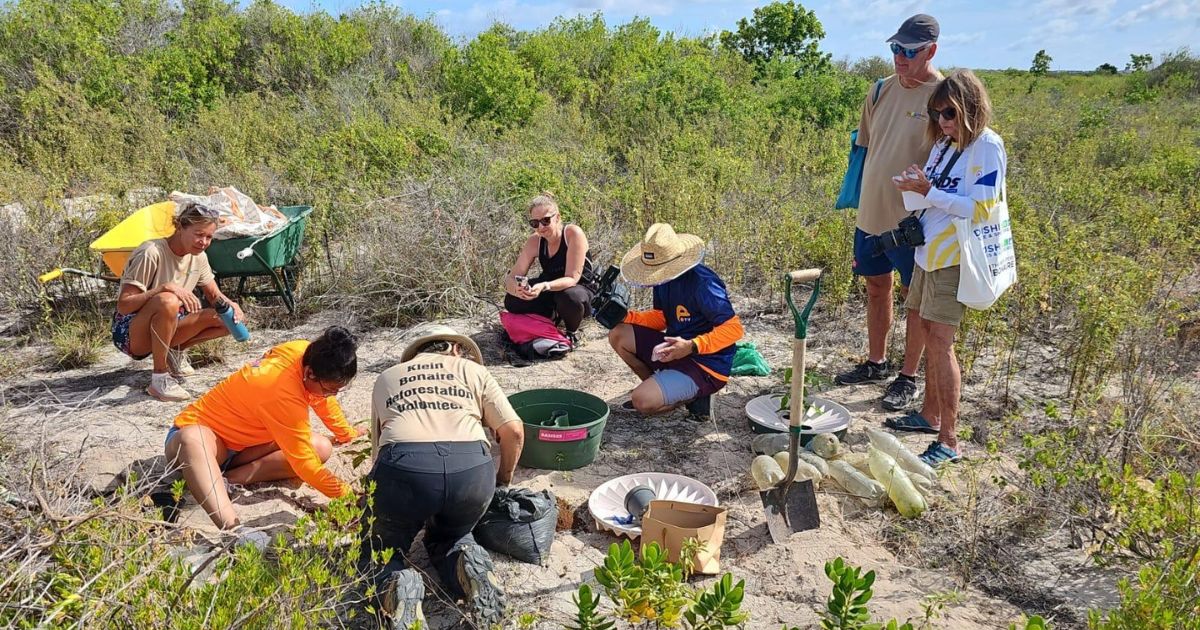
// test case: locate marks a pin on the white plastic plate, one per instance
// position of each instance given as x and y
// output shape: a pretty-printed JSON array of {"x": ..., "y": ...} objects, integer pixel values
[
  {"x": 608, "y": 500},
  {"x": 764, "y": 411}
]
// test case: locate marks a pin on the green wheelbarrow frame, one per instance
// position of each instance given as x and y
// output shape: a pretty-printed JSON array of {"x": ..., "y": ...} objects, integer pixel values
[{"x": 273, "y": 255}]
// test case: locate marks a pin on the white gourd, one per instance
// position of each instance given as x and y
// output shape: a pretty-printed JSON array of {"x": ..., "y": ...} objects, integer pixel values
[
  {"x": 899, "y": 487},
  {"x": 815, "y": 461},
  {"x": 804, "y": 470},
  {"x": 766, "y": 472},
  {"x": 857, "y": 484},
  {"x": 859, "y": 461},
  {"x": 826, "y": 445},
  {"x": 923, "y": 484},
  {"x": 892, "y": 445},
  {"x": 769, "y": 443}
]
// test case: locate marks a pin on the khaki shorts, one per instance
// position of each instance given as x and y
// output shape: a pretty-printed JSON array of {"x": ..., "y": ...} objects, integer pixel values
[{"x": 934, "y": 295}]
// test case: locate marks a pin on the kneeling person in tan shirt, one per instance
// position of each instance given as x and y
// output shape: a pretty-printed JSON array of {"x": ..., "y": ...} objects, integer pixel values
[{"x": 433, "y": 466}]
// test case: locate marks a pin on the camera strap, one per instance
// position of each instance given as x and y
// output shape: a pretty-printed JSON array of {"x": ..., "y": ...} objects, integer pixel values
[{"x": 949, "y": 165}]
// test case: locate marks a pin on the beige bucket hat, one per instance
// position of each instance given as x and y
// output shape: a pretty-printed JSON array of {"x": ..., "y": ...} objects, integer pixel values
[
  {"x": 662, "y": 256},
  {"x": 425, "y": 333}
]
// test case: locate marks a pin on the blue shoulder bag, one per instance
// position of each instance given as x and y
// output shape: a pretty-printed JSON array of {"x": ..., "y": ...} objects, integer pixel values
[{"x": 852, "y": 182}]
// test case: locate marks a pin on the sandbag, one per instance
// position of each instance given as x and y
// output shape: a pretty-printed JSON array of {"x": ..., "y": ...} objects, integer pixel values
[{"x": 519, "y": 523}]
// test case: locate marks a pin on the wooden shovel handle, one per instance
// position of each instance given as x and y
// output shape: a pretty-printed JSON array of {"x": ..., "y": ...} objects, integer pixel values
[{"x": 805, "y": 275}]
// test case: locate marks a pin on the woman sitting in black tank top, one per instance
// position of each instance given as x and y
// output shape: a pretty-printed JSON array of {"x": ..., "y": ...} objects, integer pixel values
[{"x": 564, "y": 288}]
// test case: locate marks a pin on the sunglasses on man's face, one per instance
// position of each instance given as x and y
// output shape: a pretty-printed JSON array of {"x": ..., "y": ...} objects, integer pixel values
[
  {"x": 544, "y": 221},
  {"x": 937, "y": 114},
  {"x": 909, "y": 53}
]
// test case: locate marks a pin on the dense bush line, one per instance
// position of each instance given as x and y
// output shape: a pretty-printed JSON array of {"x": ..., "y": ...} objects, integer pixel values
[{"x": 418, "y": 153}]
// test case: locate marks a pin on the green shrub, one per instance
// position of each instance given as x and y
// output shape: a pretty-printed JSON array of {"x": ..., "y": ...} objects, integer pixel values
[
  {"x": 292, "y": 52},
  {"x": 1159, "y": 522},
  {"x": 76, "y": 342},
  {"x": 487, "y": 81},
  {"x": 197, "y": 67},
  {"x": 109, "y": 566},
  {"x": 780, "y": 30},
  {"x": 654, "y": 591}
]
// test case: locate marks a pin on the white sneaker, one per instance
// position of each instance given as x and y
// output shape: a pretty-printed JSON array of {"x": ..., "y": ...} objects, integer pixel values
[
  {"x": 177, "y": 362},
  {"x": 166, "y": 388}
]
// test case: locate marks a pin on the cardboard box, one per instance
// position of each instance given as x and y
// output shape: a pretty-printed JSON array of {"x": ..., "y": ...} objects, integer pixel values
[{"x": 669, "y": 523}]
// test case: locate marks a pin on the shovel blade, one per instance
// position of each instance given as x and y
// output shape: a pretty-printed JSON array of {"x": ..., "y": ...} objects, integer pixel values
[{"x": 790, "y": 510}]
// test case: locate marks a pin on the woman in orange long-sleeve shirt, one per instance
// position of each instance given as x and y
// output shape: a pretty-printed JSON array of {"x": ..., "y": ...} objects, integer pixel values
[{"x": 253, "y": 426}]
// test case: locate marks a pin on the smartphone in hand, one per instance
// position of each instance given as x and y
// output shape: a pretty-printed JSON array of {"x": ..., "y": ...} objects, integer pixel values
[{"x": 522, "y": 281}]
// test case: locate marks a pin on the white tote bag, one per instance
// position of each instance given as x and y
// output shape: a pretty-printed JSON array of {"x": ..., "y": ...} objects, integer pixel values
[{"x": 989, "y": 263}]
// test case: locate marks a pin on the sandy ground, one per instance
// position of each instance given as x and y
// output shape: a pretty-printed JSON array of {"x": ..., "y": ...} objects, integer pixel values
[{"x": 114, "y": 427}]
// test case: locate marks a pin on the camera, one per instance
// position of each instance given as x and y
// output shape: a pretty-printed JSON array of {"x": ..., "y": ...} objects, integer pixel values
[
  {"x": 908, "y": 234},
  {"x": 612, "y": 299}
]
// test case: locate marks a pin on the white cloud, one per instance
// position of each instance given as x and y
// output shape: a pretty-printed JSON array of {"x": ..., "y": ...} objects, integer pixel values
[
  {"x": 1064, "y": 8},
  {"x": 1158, "y": 9},
  {"x": 960, "y": 39},
  {"x": 858, "y": 12},
  {"x": 1056, "y": 28},
  {"x": 1055, "y": 32}
]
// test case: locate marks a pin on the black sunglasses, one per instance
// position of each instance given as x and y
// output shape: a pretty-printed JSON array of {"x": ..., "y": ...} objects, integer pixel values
[
  {"x": 949, "y": 113},
  {"x": 544, "y": 221},
  {"x": 202, "y": 210}
]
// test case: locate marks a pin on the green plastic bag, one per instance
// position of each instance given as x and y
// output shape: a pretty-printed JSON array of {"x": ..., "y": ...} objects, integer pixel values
[{"x": 748, "y": 362}]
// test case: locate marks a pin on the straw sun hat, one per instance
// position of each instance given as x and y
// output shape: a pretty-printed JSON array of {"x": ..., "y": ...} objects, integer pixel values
[
  {"x": 426, "y": 333},
  {"x": 662, "y": 256}
]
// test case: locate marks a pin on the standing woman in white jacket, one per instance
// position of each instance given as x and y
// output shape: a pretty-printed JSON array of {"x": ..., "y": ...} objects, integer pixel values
[{"x": 963, "y": 179}]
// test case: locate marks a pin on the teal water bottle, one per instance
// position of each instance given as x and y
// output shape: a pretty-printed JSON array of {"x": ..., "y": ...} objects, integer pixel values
[{"x": 237, "y": 329}]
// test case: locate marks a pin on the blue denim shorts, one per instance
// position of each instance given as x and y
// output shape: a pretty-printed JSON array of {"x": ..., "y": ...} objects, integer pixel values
[
  {"x": 869, "y": 262},
  {"x": 676, "y": 386},
  {"x": 120, "y": 332}
]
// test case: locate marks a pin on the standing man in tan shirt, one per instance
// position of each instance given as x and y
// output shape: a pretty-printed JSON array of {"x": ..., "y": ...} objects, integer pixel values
[
  {"x": 433, "y": 470},
  {"x": 892, "y": 128}
]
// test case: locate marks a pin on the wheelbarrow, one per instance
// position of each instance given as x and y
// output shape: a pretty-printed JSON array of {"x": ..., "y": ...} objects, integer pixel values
[{"x": 274, "y": 255}]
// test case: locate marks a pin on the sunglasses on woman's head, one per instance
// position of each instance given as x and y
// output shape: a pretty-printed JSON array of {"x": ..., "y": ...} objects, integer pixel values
[
  {"x": 909, "y": 53},
  {"x": 544, "y": 221},
  {"x": 947, "y": 113},
  {"x": 202, "y": 210}
]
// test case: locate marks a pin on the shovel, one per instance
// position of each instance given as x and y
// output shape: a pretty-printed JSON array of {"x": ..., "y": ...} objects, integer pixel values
[{"x": 794, "y": 509}]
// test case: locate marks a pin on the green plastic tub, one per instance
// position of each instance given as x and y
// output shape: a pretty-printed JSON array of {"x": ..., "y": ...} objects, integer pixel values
[{"x": 563, "y": 427}]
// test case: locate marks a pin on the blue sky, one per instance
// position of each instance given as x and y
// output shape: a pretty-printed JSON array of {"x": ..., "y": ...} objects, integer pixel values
[{"x": 1078, "y": 34}]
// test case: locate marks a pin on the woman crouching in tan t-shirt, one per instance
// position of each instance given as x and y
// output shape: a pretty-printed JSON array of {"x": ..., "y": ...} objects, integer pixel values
[
  {"x": 157, "y": 314},
  {"x": 434, "y": 471}
]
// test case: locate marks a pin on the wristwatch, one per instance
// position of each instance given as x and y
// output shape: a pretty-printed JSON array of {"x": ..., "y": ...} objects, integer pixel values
[{"x": 695, "y": 348}]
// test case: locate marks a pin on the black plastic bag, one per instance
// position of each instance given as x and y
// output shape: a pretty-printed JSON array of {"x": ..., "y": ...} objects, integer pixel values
[{"x": 519, "y": 523}]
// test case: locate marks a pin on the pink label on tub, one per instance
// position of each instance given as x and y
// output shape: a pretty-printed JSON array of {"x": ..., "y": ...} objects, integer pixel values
[{"x": 569, "y": 435}]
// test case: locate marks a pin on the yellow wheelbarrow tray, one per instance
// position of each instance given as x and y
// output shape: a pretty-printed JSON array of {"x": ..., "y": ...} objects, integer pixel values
[{"x": 275, "y": 255}]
